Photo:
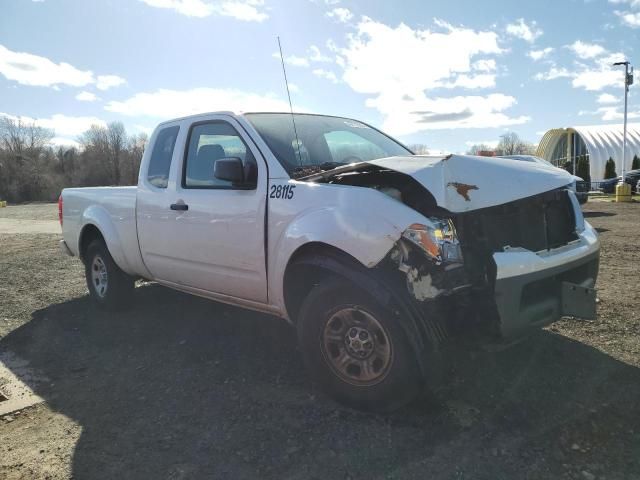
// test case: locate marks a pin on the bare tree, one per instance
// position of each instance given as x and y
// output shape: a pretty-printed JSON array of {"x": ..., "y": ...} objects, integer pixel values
[
  {"x": 117, "y": 140},
  {"x": 137, "y": 144},
  {"x": 21, "y": 148},
  {"x": 511, "y": 144},
  {"x": 419, "y": 149},
  {"x": 33, "y": 169},
  {"x": 479, "y": 148}
]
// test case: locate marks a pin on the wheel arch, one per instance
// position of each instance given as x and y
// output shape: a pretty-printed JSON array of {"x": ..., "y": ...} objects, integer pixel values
[
  {"x": 315, "y": 261},
  {"x": 88, "y": 234},
  {"x": 97, "y": 221}
]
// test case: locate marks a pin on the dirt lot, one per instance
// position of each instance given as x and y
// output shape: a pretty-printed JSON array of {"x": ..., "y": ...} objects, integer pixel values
[{"x": 180, "y": 387}]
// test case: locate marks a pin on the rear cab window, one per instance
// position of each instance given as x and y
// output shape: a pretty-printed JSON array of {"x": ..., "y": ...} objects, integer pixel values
[{"x": 160, "y": 161}]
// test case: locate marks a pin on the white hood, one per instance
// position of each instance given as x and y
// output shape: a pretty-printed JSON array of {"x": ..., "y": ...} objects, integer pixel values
[{"x": 461, "y": 183}]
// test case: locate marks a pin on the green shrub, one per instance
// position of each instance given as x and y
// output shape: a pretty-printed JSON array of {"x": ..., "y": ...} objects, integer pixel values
[
  {"x": 582, "y": 168},
  {"x": 635, "y": 165},
  {"x": 610, "y": 169}
]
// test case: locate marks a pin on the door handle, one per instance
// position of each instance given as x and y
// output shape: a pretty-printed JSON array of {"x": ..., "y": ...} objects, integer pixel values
[{"x": 179, "y": 206}]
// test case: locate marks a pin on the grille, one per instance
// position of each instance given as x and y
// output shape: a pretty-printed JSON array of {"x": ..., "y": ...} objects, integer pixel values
[{"x": 536, "y": 223}]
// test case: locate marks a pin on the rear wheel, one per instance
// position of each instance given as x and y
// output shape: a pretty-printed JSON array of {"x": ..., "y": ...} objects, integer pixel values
[
  {"x": 355, "y": 348},
  {"x": 109, "y": 286}
]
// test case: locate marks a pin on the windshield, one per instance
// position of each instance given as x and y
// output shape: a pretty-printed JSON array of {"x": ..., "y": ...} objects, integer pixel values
[{"x": 325, "y": 142}]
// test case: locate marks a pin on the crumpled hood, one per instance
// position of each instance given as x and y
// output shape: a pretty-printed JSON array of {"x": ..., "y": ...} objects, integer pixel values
[{"x": 461, "y": 183}]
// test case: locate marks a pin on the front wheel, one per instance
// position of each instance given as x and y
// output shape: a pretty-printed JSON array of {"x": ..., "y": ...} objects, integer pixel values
[
  {"x": 109, "y": 286},
  {"x": 356, "y": 349}
]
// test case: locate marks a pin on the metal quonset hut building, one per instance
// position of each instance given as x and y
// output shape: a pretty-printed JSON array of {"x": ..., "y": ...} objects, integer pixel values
[{"x": 598, "y": 143}]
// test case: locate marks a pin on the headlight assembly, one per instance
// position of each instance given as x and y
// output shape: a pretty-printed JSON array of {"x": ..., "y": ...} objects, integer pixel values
[{"x": 438, "y": 240}]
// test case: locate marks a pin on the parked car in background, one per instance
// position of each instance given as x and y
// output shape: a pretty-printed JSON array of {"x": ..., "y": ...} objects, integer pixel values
[
  {"x": 632, "y": 177},
  {"x": 579, "y": 186}
]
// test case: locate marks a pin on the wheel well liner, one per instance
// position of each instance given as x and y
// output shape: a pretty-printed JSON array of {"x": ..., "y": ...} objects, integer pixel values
[{"x": 88, "y": 234}]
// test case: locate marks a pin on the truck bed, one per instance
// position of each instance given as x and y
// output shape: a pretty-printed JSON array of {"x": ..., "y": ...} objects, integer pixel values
[{"x": 114, "y": 209}]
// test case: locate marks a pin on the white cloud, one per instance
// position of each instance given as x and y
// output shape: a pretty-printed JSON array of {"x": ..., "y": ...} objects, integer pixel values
[
  {"x": 190, "y": 8},
  {"x": 586, "y": 50},
  {"x": 85, "y": 96},
  {"x": 553, "y": 73},
  {"x": 164, "y": 103},
  {"x": 630, "y": 17},
  {"x": 611, "y": 114},
  {"x": 607, "y": 98},
  {"x": 484, "y": 65},
  {"x": 319, "y": 72},
  {"x": 105, "y": 82},
  {"x": 593, "y": 71},
  {"x": 34, "y": 70},
  {"x": 294, "y": 60},
  {"x": 540, "y": 54},
  {"x": 317, "y": 55},
  {"x": 414, "y": 114},
  {"x": 381, "y": 59},
  {"x": 597, "y": 79},
  {"x": 520, "y": 29},
  {"x": 62, "y": 125},
  {"x": 28, "y": 69},
  {"x": 340, "y": 14},
  {"x": 246, "y": 10},
  {"x": 293, "y": 88},
  {"x": 484, "y": 80},
  {"x": 396, "y": 67}
]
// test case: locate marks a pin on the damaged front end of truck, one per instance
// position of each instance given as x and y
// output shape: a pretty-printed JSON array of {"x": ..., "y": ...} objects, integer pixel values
[{"x": 503, "y": 247}]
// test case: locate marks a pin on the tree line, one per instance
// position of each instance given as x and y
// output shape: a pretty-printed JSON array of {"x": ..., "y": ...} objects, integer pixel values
[
  {"x": 510, "y": 143},
  {"x": 31, "y": 169}
]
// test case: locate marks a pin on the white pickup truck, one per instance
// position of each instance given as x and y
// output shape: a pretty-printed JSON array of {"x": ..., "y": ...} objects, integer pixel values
[{"x": 377, "y": 256}]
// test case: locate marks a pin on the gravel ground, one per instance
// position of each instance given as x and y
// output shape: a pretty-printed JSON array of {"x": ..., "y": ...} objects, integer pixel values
[{"x": 221, "y": 392}]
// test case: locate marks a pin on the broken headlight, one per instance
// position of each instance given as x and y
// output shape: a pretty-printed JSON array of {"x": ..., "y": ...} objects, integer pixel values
[{"x": 438, "y": 240}]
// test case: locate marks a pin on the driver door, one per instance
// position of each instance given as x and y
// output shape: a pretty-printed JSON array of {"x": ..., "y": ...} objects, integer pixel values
[{"x": 219, "y": 227}]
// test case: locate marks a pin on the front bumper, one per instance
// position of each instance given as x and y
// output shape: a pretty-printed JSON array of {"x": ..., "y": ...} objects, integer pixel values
[{"x": 529, "y": 286}]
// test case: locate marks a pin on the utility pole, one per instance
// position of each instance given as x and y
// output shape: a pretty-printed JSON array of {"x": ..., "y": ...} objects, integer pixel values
[{"x": 623, "y": 191}]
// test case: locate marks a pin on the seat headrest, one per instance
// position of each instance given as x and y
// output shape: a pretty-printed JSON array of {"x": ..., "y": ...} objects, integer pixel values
[{"x": 211, "y": 152}]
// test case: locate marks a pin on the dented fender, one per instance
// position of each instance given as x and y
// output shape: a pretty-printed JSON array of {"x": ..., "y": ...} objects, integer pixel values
[{"x": 364, "y": 223}]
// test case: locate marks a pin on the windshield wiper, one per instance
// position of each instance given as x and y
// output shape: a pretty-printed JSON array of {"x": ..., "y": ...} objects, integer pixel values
[
  {"x": 330, "y": 165},
  {"x": 306, "y": 170}
]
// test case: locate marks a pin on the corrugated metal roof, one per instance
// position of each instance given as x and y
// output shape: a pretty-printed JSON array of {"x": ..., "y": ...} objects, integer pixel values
[{"x": 602, "y": 142}]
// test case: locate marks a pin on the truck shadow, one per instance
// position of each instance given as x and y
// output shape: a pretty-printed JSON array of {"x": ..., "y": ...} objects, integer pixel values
[
  {"x": 595, "y": 214},
  {"x": 180, "y": 387}
]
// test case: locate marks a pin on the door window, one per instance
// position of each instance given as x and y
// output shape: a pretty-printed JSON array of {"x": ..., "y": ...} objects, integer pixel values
[
  {"x": 209, "y": 142},
  {"x": 160, "y": 161}
]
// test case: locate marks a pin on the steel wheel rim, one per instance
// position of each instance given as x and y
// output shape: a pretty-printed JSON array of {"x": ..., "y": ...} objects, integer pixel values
[
  {"x": 356, "y": 346},
  {"x": 99, "y": 276}
]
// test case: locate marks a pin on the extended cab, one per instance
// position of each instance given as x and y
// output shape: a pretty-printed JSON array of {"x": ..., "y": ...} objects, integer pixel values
[{"x": 377, "y": 256}]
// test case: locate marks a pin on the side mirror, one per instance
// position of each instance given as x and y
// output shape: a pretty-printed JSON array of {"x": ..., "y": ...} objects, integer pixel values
[{"x": 229, "y": 169}]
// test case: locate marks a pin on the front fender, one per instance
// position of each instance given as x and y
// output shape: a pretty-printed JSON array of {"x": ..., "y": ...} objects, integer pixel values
[
  {"x": 365, "y": 224},
  {"x": 99, "y": 217}
]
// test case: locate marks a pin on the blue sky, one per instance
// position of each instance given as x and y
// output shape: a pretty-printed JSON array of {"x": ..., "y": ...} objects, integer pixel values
[{"x": 444, "y": 73}]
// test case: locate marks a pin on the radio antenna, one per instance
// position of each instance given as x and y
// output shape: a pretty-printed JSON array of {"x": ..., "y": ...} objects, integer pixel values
[{"x": 293, "y": 118}]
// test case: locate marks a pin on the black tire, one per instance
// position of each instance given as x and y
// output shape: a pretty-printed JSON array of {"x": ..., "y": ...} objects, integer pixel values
[
  {"x": 116, "y": 293},
  {"x": 398, "y": 380}
]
